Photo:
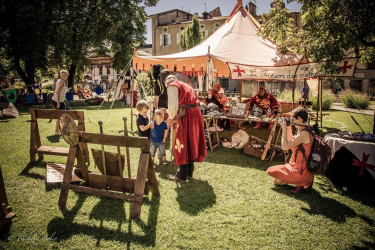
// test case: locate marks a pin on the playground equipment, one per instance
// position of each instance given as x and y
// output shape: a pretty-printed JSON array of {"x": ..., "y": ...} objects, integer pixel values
[{"x": 110, "y": 182}]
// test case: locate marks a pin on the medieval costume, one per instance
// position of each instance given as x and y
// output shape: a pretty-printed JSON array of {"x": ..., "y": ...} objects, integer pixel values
[
  {"x": 215, "y": 98},
  {"x": 263, "y": 100},
  {"x": 189, "y": 146}
]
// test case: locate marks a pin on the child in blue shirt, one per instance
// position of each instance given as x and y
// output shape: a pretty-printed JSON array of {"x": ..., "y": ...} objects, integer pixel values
[{"x": 159, "y": 135}]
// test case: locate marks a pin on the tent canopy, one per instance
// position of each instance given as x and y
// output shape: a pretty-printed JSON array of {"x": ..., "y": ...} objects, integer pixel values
[{"x": 237, "y": 52}]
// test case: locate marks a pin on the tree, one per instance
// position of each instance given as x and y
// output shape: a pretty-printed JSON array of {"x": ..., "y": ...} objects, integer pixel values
[
  {"x": 89, "y": 24},
  {"x": 331, "y": 29},
  {"x": 25, "y": 28},
  {"x": 192, "y": 35}
]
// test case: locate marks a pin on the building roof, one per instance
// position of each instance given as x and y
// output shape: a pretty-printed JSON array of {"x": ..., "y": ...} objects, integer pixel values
[
  {"x": 218, "y": 18},
  {"x": 168, "y": 12}
]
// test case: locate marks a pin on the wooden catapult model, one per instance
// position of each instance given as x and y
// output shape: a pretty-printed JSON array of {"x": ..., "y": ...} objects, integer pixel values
[{"x": 110, "y": 182}]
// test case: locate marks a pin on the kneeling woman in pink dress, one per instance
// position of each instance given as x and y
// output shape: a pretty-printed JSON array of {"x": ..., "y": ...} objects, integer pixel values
[{"x": 294, "y": 172}]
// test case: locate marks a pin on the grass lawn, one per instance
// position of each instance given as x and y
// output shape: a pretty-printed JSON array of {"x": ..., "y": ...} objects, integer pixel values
[{"x": 230, "y": 204}]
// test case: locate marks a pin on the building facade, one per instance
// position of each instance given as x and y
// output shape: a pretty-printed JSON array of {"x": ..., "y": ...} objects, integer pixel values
[{"x": 167, "y": 27}]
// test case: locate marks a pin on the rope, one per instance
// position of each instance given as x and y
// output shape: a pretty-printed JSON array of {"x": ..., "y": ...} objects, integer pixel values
[{"x": 115, "y": 88}]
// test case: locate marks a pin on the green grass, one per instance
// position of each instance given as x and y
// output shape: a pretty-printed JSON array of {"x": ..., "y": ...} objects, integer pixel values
[{"x": 230, "y": 204}]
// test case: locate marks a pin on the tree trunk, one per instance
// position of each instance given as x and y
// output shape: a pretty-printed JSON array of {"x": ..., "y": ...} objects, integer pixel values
[{"x": 72, "y": 73}]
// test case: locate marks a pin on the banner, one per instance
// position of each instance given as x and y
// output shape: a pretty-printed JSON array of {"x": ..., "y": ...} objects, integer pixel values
[{"x": 305, "y": 70}]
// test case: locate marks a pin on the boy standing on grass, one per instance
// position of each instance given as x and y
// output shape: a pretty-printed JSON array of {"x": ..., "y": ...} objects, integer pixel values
[
  {"x": 159, "y": 135},
  {"x": 143, "y": 124}
]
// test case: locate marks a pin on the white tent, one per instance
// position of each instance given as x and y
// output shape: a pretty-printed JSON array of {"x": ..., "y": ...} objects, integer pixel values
[{"x": 237, "y": 52}]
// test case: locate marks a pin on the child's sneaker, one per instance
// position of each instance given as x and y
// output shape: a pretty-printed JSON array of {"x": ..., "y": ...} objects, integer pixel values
[{"x": 165, "y": 162}]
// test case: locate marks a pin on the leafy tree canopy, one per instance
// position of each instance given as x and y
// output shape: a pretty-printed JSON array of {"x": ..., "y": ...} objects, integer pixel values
[
  {"x": 330, "y": 30},
  {"x": 192, "y": 35},
  {"x": 51, "y": 33}
]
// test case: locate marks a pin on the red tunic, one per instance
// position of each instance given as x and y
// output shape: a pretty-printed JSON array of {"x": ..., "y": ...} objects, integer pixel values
[
  {"x": 265, "y": 102},
  {"x": 190, "y": 143},
  {"x": 291, "y": 172}
]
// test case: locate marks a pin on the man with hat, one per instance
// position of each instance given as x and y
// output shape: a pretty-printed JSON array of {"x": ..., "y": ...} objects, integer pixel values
[
  {"x": 263, "y": 100},
  {"x": 189, "y": 145}
]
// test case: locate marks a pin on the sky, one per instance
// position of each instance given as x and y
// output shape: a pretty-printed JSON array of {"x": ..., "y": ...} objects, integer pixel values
[{"x": 226, "y": 6}]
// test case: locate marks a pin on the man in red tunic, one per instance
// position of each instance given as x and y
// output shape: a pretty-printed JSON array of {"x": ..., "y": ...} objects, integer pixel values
[
  {"x": 189, "y": 146},
  {"x": 263, "y": 100}
]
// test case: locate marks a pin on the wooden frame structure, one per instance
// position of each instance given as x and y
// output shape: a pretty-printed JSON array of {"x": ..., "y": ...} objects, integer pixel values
[
  {"x": 112, "y": 186},
  {"x": 35, "y": 142},
  {"x": 6, "y": 214}
]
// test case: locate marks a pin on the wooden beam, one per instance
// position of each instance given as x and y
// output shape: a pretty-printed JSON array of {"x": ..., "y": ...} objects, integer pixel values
[
  {"x": 318, "y": 103},
  {"x": 100, "y": 192},
  {"x": 131, "y": 101},
  {"x": 321, "y": 102},
  {"x": 115, "y": 140},
  {"x": 140, "y": 185},
  {"x": 55, "y": 114},
  {"x": 241, "y": 82},
  {"x": 67, "y": 176}
]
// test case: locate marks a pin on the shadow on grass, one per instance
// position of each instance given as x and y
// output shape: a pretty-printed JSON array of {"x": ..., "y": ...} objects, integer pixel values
[
  {"x": 4, "y": 121},
  {"x": 39, "y": 164},
  {"x": 62, "y": 229},
  {"x": 320, "y": 205},
  {"x": 53, "y": 138},
  {"x": 367, "y": 244},
  {"x": 195, "y": 196}
]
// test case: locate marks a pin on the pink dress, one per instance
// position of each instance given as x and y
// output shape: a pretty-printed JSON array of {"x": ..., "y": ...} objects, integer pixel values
[{"x": 291, "y": 172}]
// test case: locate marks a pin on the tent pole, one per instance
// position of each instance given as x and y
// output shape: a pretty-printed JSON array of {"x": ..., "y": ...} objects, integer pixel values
[
  {"x": 293, "y": 85},
  {"x": 131, "y": 96},
  {"x": 321, "y": 101},
  {"x": 317, "y": 103},
  {"x": 240, "y": 100},
  {"x": 304, "y": 94}
]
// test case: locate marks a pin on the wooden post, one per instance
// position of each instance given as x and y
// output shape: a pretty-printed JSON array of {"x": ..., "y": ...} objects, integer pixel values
[
  {"x": 317, "y": 104},
  {"x": 240, "y": 100},
  {"x": 67, "y": 176},
  {"x": 132, "y": 89},
  {"x": 373, "y": 128},
  {"x": 140, "y": 185},
  {"x": 321, "y": 102},
  {"x": 127, "y": 149},
  {"x": 293, "y": 86},
  {"x": 305, "y": 92}
]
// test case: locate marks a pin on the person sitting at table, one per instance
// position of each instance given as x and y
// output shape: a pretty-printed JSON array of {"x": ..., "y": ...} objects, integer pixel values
[
  {"x": 295, "y": 172},
  {"x": 263, "y": 100},
  {"x": 214, "y": 96}
]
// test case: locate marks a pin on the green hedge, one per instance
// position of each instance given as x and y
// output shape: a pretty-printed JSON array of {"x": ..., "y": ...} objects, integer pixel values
[
  {"x": 352, "y": 99},
  {"x": 327, "y": 101}
]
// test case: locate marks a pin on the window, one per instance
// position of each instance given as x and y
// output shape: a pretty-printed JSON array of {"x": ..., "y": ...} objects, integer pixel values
[
  {"x": 205, "y": 33},
  {"x": 165, "y": 29},
  {"x": 100, "y": 71},
  {"x": 217, "y": 25},
  {"x": 182, "y": 28},
  {"x": 108, "y": 71},
  {"x": 224, "y": 83},
  {"x": 165, "y": 39},
  {"x": 202, "y": 26}
]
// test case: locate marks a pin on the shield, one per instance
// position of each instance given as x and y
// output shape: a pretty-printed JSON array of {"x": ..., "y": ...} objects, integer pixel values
[
  {"x": 30, "y": 98},
  {"x": 98, "y": 90}
]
